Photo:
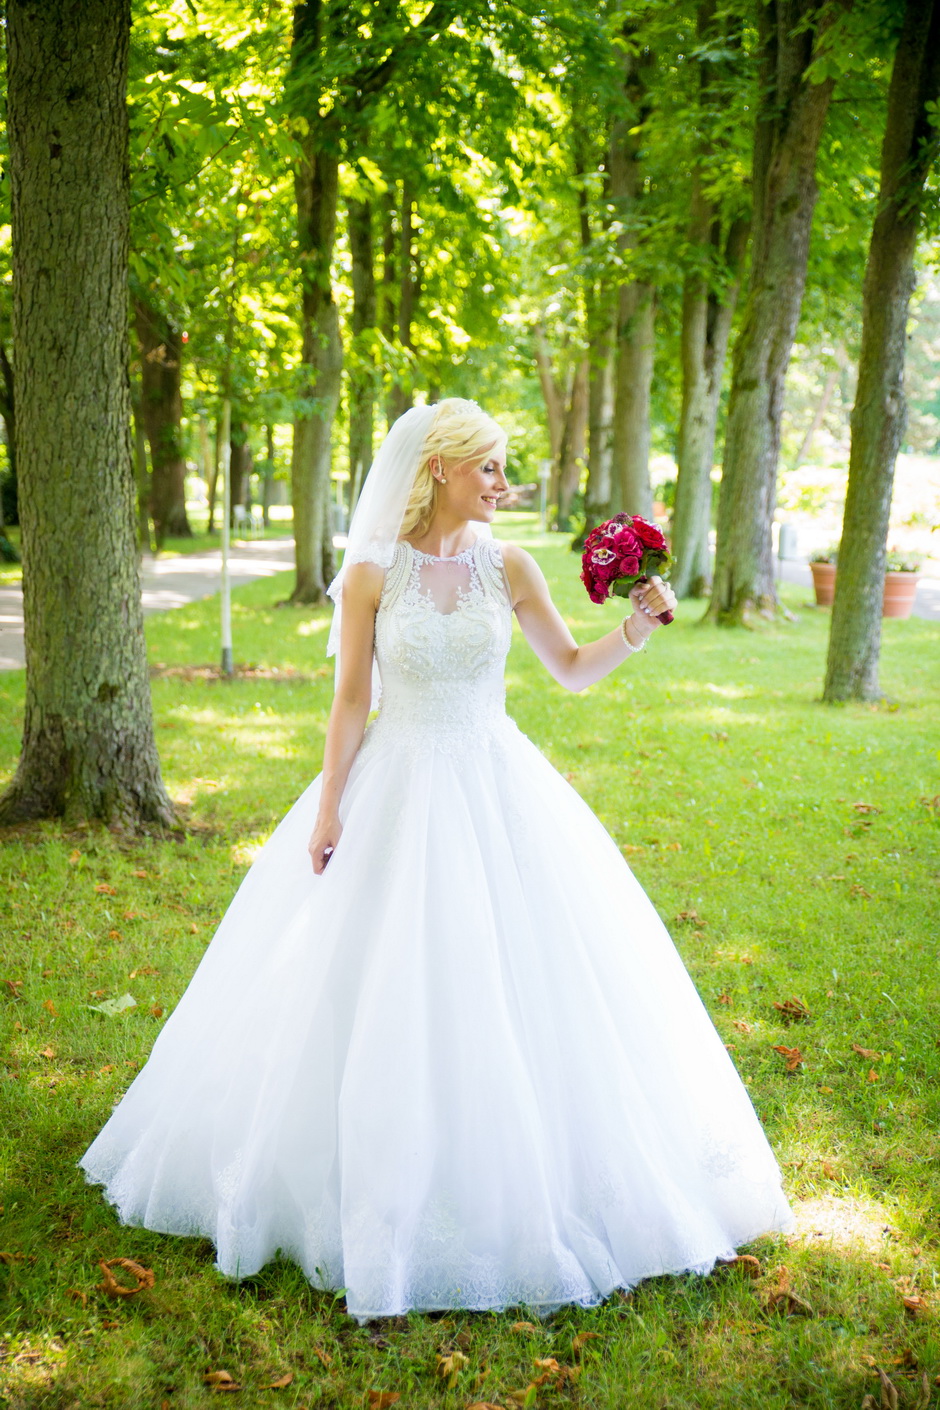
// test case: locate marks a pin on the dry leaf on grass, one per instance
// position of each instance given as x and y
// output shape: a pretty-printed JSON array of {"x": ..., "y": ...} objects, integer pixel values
[
  {"x": 829, "y": 1170},
  {"x": 156, "y": 1011},
  {"x": 50, "y": 1007},
  {"x": 483, "y": 1405},
  {"x": 746, "y": 1262},
  {"x": 382, "y": 1399},
  {"x": 915, "y": 1305},
  {"x": 725, "y": 999},
  {"x": 103, "y": 889},
  {"x": 112, "y": 1288},
  {"x": 578, "y": 1342},
  {"x": 281, "y": 1383},
  {"x": 742, "y": 1025},
  {"x": 887, "y": 1400},
  {"x": 872, "y": 1075},
  {"x": 14, "y": 986},
  {"x": 47, "y": 1052},
  {"x": 220, "y": 1380},
  {"x": 794, "y": 1057},
  {"x": 866, "y": 808},
  {"x": 77, "y": 1295},
  {"x": 323, "y": 1356},
  {"x": 141, "y": 873},
  {"x": 690, "y": 917},
  {"x": 523, "y": 1327},
  {"x": 548, "y": 1363},
  {"x": 74, "y": 856},
  {"x": 865, "y": 1052},
  {"x": 449, "y": 1367},
  {"x": 792, "y": 1010}
]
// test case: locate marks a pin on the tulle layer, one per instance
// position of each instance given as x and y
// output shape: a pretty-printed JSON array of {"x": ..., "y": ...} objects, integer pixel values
[{"x": 463, "y": 1068}]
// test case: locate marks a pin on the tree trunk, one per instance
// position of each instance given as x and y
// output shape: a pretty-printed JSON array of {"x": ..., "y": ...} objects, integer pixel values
[
  {"x": 241, "y": 464},
  {"x": 819, "y": 415},
  {"x": 573, "y": 439},
  {"x": 789, "y": 124},
  {"x": 316, "y": 187},
  {"x": 268, "y": 481},
  {"x": 161, "y": 407},
  {"x": 402, "y": 396},
  {"x": 601, "y": 365},
  {"x": 362, "y": 373},
  {"x": 142, "y": 483},
  {"x": 214, "y": 472},
  {"x": 879, "y": 415},
  {"x": 631, "y": 491},
  {"x": 707, "y": 314},
  {"x": 552, "y": 393},
  {"x": 88, "y": 742}
]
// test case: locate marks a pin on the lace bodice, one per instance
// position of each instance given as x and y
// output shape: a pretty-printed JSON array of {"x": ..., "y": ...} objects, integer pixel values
[{"x": 442, "y": 632}]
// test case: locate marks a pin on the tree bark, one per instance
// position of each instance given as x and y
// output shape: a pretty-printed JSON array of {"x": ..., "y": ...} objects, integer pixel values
[
  {"x": 362, "y": 370},
  {"x": 631, "y": 491},
  {"x": 316, "y": 188},
  {"x": 707, "y": 314},
  {"x": 241, "y": 465},
  {"x": 88, "y": 742},
  {"x": 268, "y": 481},
  {"x": 161, "y": 409},
  {"x": 552, "y": 394},
  {"x": 214, "y": 472},
  {"x": 573, "y": 440},
  {"x": 879, "y": 415},
  {"x": 789, "y": 124}
]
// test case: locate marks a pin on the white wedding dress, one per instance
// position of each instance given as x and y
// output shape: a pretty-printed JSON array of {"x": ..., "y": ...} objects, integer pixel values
[{"x": 465, "y": 1067}]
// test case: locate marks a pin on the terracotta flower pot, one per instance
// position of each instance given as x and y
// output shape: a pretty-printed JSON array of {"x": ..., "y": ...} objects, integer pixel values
[
  {"x": 824, "y": 581},
  {"x": 899, "y": 594}
]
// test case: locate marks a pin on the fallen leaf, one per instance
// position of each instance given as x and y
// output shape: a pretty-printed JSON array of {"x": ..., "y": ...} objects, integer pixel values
[
  {"x": 220, "y": 1380},
  {"x": 865, "y": 1052},
  {"x": 548, "y": 1363},
  {"x": 885, "y": 1267},
  {"x": 111, "y": 1007},
  {"x": 77, "y": 1295},
  {"x": 829, "y": 1170},
  {"x": 47, "y": 1053},
  {"x": 381, "y": 1399},
  {"x": 112, "y": 1288},
  {"x": 827, "y": 1090},
  {"x": 630, "y": 849},
  {"x": 14, "y": 986},
  {"x": 282, "y": 1381},
  {"x": 74, "y": 856},
  {"x": 130, "y": 915},
  {"x": 156, "y": 1010},
  {"x": 323, "y": 1356},
  {"x": 103, "y": 889},
  {"x": 110, "y": 1326},
  {"x": 194, "y": 928},
  {"x": 114, "y": 935},
  {"x": 746, "y": 1262},
  {"x": 523, "y": 1327},
  {"x": 742, "y": 1025},
  {"x": 50, "y": 1006},
  {"x": 860, "y": 891},
  {"x": 793, "y": 1009},
  {"x": 483, "y": 1405},
  {"x": 7, "y": 1257},
  {"x": 745, "y": 959},
  {"x": 692, "y": 917},
  {"x": 521, "y": 1397},
  {"x": 579, "y": 1341},
  {"x": 866, "y": 808},
  {"x": 914, "y": 1305},
  {"x": 872, "y": 1075},
  {"x": 449, "y": 1367},
  {"x": 888, "y": 1399},
  {"x": 141, "y": 873},
  {"x": 144, "y": 969},
  {"x": 787, "y": 1302},
  {"x": 794, "y": 1057},
  {"x": 725, "y": 999}
]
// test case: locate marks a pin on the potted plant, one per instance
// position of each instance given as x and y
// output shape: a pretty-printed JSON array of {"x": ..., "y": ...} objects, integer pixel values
[
  {"x": 822, "y": 565},
  {"x": 901, "y": 571}
]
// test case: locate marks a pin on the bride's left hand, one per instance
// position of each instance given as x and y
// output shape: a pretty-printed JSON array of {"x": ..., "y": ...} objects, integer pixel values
[{"x": 649, "y": 599}]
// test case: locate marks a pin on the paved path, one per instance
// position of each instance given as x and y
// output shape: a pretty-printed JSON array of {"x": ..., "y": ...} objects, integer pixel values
[
  {"x": 165, "y": 583},
  {"x": 171, "y": 582}
]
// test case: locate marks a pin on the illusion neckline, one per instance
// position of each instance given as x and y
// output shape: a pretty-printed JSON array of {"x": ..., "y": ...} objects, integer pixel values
[{"x": 438, "y": 558}]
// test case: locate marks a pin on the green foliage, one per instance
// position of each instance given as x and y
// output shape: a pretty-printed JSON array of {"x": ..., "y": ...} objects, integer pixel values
[{"x": 803, "y": 838}]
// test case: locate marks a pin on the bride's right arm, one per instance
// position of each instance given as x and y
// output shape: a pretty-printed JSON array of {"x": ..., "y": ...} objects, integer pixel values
[{"x": 352, "y": 700}]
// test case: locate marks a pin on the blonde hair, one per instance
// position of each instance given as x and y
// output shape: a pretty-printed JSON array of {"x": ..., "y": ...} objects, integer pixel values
[{"x": 460, "y": 431}]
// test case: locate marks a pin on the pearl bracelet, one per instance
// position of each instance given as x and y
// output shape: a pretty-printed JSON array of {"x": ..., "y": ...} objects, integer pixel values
[{"x": 631, "y": 646}]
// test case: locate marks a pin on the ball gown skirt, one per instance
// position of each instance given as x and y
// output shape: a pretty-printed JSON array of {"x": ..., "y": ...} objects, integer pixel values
[{"x": 465, "y": 1067}]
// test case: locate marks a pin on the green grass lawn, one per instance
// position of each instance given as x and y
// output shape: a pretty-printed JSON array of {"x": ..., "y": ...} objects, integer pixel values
[{"x": 791, "y": 848}]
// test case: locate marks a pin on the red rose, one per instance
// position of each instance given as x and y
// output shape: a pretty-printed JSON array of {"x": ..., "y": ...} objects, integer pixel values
[
  {"x": 648, "y": 533},
  {"x": 629, "y": 565}
]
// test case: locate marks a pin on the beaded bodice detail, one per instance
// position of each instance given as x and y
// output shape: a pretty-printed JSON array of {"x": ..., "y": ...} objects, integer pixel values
[{"x": 442, "y": 632}]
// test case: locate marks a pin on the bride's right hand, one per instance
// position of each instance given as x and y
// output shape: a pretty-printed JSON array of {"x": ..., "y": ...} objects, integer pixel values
[{"x": 323, "y": 842}]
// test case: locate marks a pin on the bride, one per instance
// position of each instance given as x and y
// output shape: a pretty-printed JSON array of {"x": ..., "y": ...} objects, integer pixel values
[{"x": 459, "y": 1063}]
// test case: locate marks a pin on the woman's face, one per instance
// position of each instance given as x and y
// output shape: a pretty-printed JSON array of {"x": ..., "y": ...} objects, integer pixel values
[{"x": 473, "y": 489}]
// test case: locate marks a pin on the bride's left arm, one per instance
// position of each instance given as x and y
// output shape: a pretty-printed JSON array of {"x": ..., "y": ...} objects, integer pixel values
[{"x": 573, "y": 666}]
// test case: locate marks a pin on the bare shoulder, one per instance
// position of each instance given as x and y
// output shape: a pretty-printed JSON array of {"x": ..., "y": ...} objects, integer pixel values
[
  {"x": 363, "y": 583},
  {"x": 524, "y": 574}
]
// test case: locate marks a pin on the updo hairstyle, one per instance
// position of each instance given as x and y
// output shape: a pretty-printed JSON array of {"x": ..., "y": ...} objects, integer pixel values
[{"x": 461, "y": 431}]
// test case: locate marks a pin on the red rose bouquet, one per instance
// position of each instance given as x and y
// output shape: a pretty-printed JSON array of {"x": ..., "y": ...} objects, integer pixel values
[{"x": 619, "y": 554}]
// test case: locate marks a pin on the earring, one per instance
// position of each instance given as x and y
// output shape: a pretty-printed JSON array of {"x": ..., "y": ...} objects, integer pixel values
[{"x": 441, "y": 480}]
